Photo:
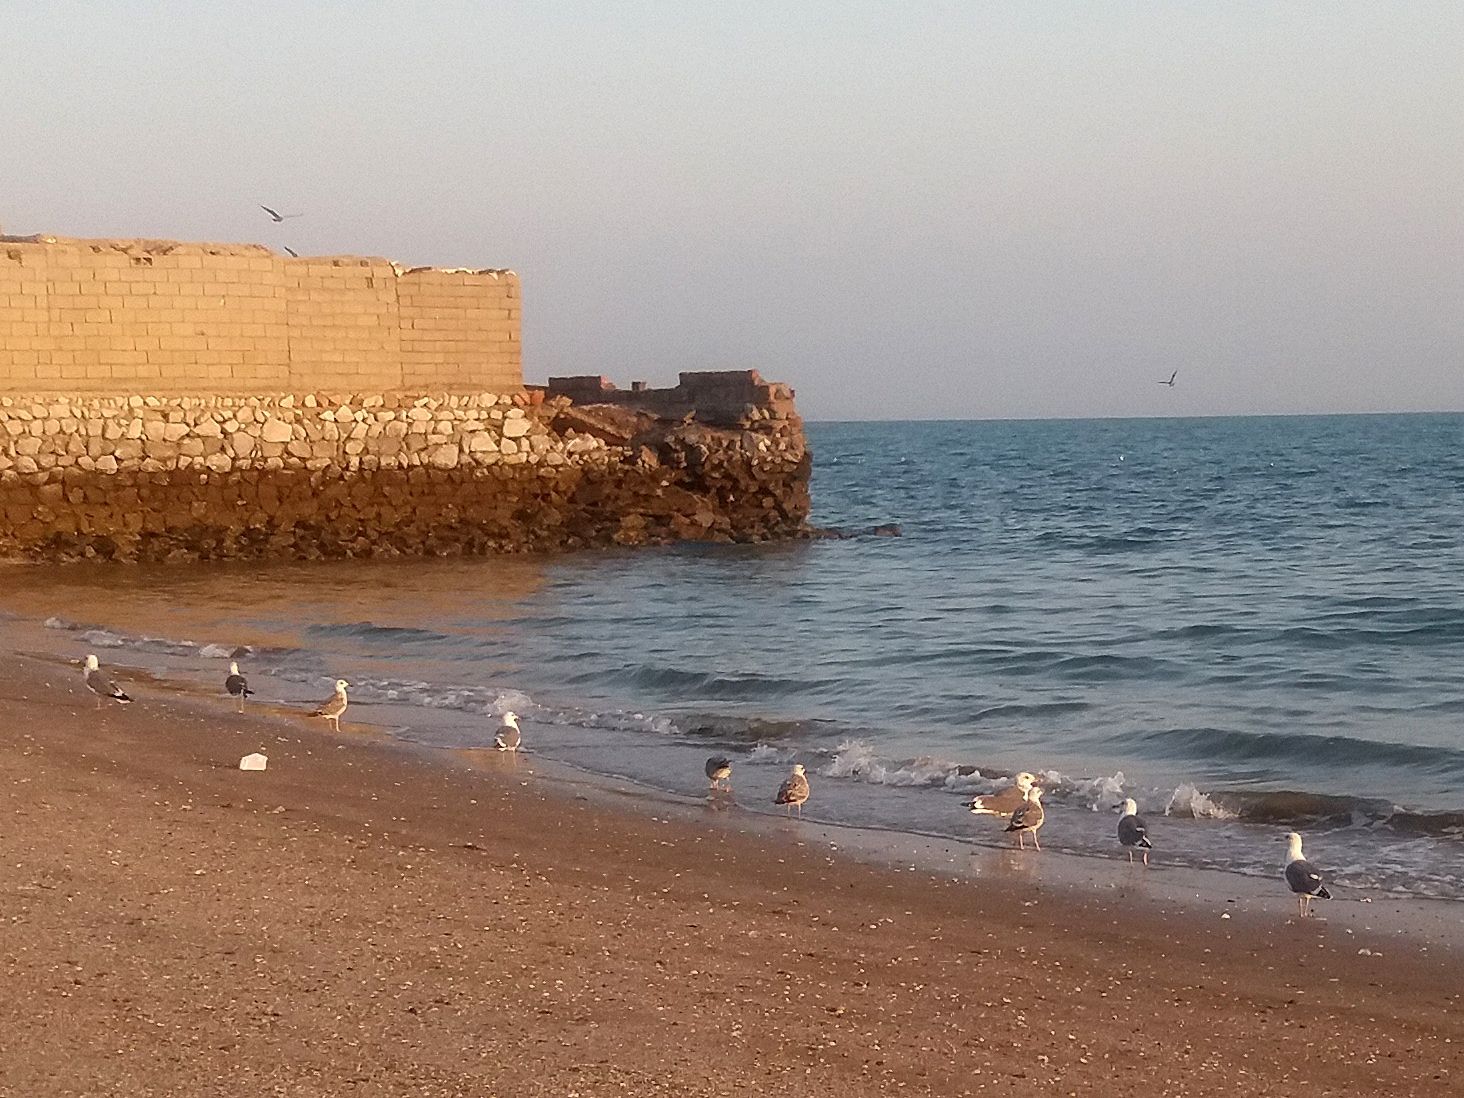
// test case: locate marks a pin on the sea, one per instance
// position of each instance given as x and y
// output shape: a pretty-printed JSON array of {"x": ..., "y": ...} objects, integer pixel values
[{"x": 1249, "y": 625}]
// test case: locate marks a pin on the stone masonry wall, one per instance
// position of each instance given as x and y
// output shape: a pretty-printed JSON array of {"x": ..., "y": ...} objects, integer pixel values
[
  {"x": 321, "y": 474},
  {"x": 141, "y": 316}
]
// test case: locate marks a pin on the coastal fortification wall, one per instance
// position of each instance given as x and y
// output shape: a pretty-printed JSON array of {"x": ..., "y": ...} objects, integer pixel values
[
  {"x": 162, "y": 400},
  {"x": 161, "y": 316},
  {"x": 320, "y": 474}
]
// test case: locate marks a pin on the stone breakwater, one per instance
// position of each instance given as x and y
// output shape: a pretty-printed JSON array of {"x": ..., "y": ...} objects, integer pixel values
[{"x": 312, "y": 475}]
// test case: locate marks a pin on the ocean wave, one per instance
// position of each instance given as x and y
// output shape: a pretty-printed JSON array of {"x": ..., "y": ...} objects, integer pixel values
[{"x": 1313, "y": 749}]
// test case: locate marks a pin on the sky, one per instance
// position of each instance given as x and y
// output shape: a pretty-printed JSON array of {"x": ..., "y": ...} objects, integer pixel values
[{"x": 908, "y": 209}]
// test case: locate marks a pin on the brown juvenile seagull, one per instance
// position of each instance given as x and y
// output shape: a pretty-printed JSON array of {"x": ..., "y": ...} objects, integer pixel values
[
  {"x": 509, "y": 737},
  {"x": 102, "y": 686},
  {"x": 1028, "y": 818},
  {"x": 333, "y": 709},
  {"x": 1004, "y": 801},
  {"x": 719, "y": 772},
  {"x": 793, "y": 792}
]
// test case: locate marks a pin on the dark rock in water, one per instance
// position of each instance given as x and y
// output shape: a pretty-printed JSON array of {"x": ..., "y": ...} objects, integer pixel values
[{"x": 842, "y": 533}]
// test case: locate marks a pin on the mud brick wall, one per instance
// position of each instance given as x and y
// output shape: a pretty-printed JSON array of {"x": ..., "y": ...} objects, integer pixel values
[{"x": 140, "y": 316}]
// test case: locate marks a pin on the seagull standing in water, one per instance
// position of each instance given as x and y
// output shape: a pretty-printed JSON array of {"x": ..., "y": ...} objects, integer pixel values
[
  {"x": 1133, "y": 831},
  {"x": 1004, "y": 801},
  {"x": 102, "y": 686},
  {"x": 1028, "y": 817},
  {"x": 719, "y": 772},
  {"x": 509, "y": 737},
  {"x": 333, "y": 709},
  {"x": 794, "y": 791},
  {"x": 237, "y": 685},
  {"x": 1302, "y": 877}
]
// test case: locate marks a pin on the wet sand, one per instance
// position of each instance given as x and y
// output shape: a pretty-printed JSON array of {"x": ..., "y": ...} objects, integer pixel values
[{"x": 364, "y": 920}]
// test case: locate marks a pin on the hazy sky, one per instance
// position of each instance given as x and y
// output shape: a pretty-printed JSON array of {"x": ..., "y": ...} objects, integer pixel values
[{"x": 904, "y": 209}]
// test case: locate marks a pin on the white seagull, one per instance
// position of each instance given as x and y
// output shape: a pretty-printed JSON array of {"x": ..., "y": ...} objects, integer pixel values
[
  {"x": 1302, "y": 877},
  {"x": 333, "y": 709},
  {"x": 278, "y": 217},
  {"x": 1170, "y": 382},
  {"x": 794, "y": 791},
  {"x": 1028, "y": 817},
  {"x": 102, "y": 686},
  {"x": 509, "y": 737},
  {"x": 1004, "y": 801},
  {"x": 237, "y": 685},
  {"x": 1133, "y": 831}
]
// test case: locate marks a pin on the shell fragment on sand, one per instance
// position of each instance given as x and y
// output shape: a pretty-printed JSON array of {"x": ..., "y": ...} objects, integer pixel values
[{"x": 256, "y": 761}]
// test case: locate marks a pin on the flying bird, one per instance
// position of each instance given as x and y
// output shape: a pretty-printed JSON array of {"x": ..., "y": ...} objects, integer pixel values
[
  {"x": 1028, "y": 817},
  {"x": 719, "y": 772},
  {"x": 293, "y": 254},
  {"x": 1004, "y": 801},
  {"x": 1302, "y": 877},
  {"x": 1133, "y": 831},
  {"x": 333, "y": 709},
  {"x": 277, "y": 217},
  {"x": 509, "y": 737},
  {"x": 102, "y": 686},
  {"x": 237, "y": 685},
  {"x": 794, "y": 791},
  {"x": 1170, "y": 382}
]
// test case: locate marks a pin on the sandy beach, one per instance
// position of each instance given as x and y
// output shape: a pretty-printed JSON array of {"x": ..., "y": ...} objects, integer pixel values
[{"x": 361, "y": 919}]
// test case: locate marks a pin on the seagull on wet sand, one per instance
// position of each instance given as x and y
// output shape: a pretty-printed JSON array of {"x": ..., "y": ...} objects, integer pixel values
[
  {"x": 509, "y": 737},
  {"x": 1302, "y": 877},
  {"x": 278, "y": 217},
  {"x": 719, "y": 772},
  {"x": 333, "y": 709},
  {"x": 1170, "y": 382},
  {"x": 1133, "y": 831},
  {"x": 1004, "y": 801},
  {"x": 794, "y": 791},
  {"x": 1028, "y": 817},
  {"x": 237, "y": 685},
  {"x": 102, "y": 686}
]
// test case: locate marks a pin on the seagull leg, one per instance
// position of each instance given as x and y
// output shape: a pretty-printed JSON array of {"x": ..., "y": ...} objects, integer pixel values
[
  {"x": 1146, "y": 859},
  {"x": 1035, "y": 842},
  {"x": 1131, "y": 856}
]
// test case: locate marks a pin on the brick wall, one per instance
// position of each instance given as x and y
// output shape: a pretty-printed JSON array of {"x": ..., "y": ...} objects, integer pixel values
[{"x": 162, "y": 316}]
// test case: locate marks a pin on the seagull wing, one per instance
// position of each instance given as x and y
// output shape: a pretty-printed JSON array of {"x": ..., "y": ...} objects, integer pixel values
[{"x": 271, "y": 213}]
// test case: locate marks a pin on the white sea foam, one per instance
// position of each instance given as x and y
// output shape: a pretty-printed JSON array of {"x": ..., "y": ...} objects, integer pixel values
[
  {"x": 857, "y": 759},
  {"x": 1186, "y": 800}
]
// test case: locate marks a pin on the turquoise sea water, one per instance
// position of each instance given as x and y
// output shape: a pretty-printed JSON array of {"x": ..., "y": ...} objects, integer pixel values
[{"x": 1247, "y": 624}]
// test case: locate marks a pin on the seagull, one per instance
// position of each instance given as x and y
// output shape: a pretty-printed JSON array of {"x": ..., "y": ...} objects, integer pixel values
[
  {"x": 794, "y": 791},
  {"x": 293, "y": 254},
  {"x": 1170, "y": 382},
  {"x": 237, "y": 685},
  {"x": 1028, "y": 818},
  {"x": 333, "y": 709},
  {"x": 1133, "y": 831},
  {"x": 277, "y": 217},
  {"x": 102, "y": 686},
  {"x": 719, "y": 772},
  {"x": 1004, "y": 801},
  {"x": 509, "y": 737},
  {"x": 1302, "y": 877}
]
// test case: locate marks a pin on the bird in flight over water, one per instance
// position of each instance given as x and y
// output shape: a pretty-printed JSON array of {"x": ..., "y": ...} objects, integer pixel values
[
  {"x": 1170, "y": 382},
  {"x": 278, "y": 217}
]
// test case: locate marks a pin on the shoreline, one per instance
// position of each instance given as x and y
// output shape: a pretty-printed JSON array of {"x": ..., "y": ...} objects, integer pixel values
[{"x": 209, "y": 928}]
